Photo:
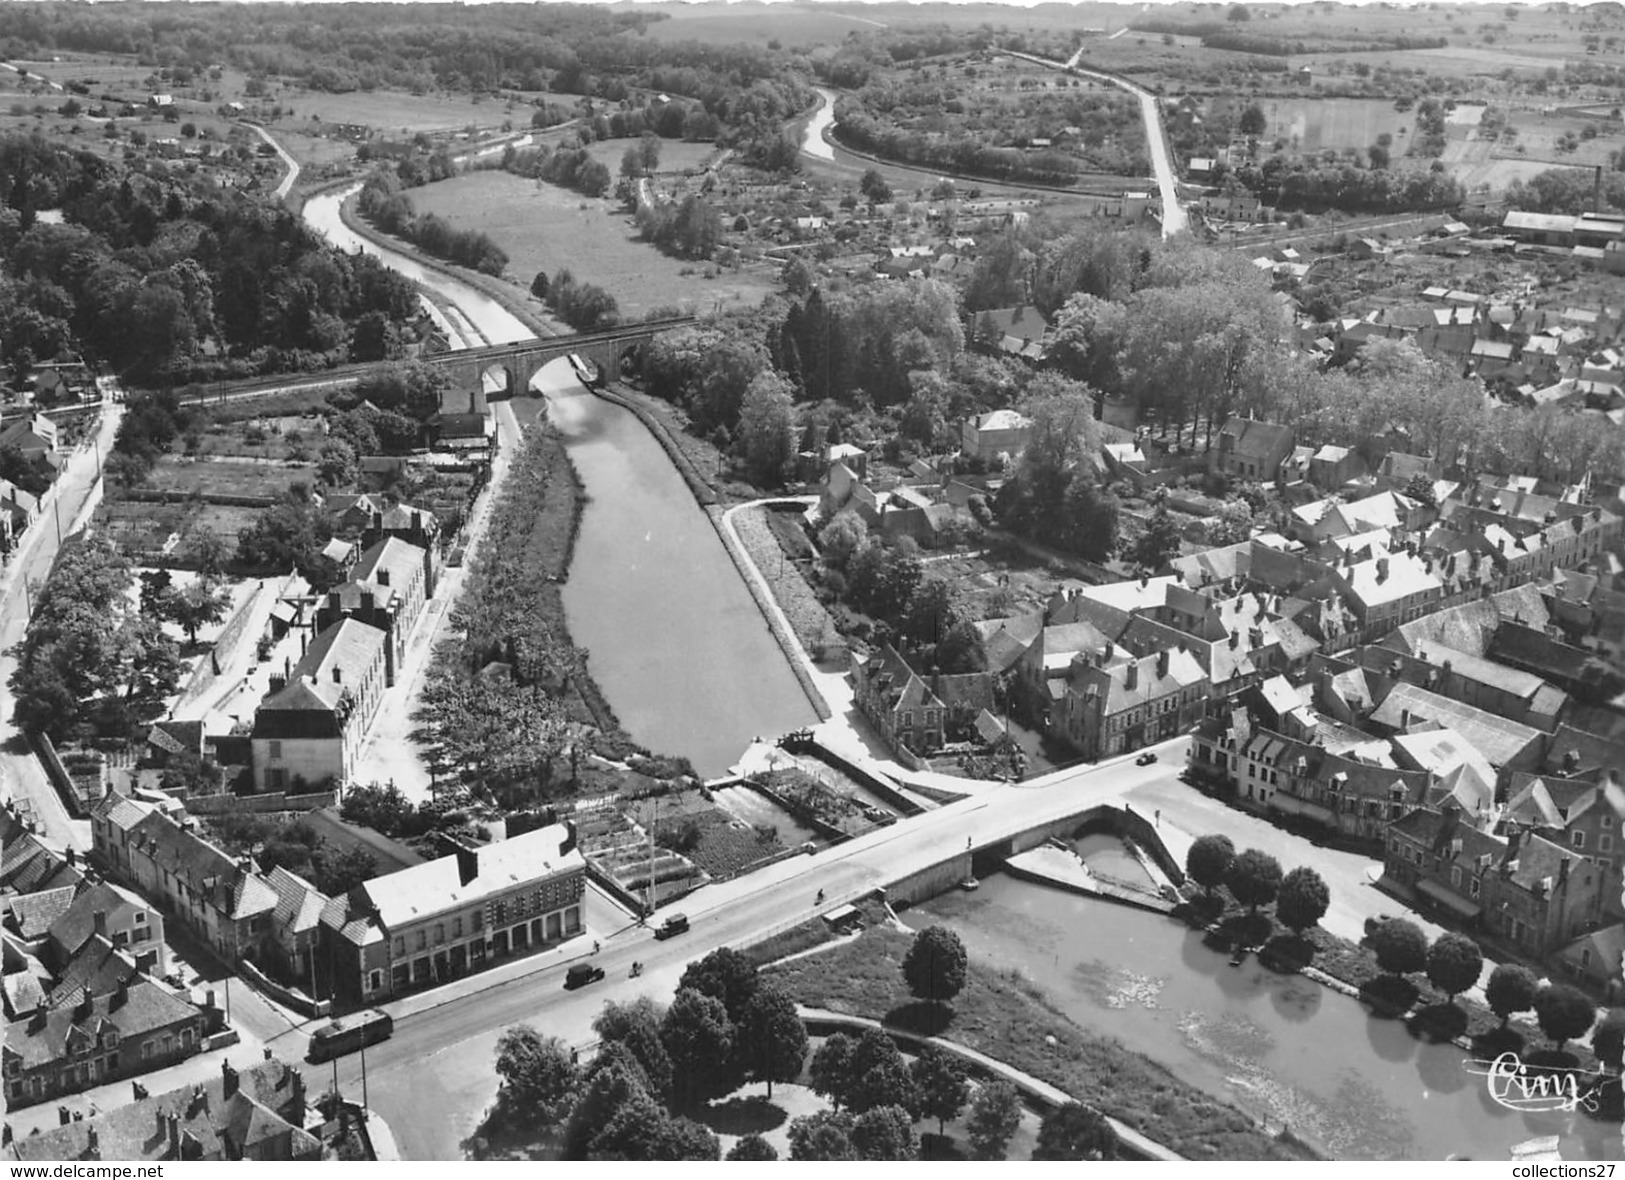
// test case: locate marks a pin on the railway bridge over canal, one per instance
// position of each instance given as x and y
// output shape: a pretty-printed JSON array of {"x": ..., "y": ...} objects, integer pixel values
[{"x": 520, "y": 360}]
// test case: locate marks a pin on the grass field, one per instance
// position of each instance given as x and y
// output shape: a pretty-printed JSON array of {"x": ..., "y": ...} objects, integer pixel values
[
  {"x": 1316, "y": 124},
  {"x": 675, "y": 154},
  {"x": 227, "y": 478},
  {"x": 547, "y": 228},
  {"x": 395, "y": 113}
]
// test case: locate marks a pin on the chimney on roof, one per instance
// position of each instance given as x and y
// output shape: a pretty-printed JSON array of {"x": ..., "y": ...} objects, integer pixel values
[
  {"x": 1563, "y": 873},
  {"x": 568, "y": 845},
  {"x": 278, "y": 682},
  {"x": 1131, "y": 675},
  {"x": 121, "y": 995},
  {"x": 468, "y": 864},
  {"x": 1382, "y": 570},
  {"x": 1571, "y": 761},
  {"x": 228, "y": 1079},
  {"x": 1509, "y": 859},
  {"x": 338, "y": 676},
  {"x": 172, "y": 1128},
  {"x": 138, "y": 1092},
  {"x": 381, "y": 577},
  {"x": 98, "y": 922},
  {"x": 1162, "y": 663},
  {"x": 93, "y": 1140},
  {"x": 63, "y": 1115}
]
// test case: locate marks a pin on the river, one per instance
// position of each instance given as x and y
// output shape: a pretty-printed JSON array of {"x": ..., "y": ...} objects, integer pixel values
[
  {"x": 1280, "y": 1047},
  {"x": 812, "y": 139},
  {"x": 674, "y": 638}
]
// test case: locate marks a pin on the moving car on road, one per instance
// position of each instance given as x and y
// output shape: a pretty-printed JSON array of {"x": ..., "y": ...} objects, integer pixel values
[
  {"x": 1145, "y": 759},
  {"x": 581, "y": 974},
  {"x": 673, "y": 925}
]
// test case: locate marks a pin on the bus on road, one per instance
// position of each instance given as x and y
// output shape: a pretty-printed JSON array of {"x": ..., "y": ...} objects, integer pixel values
[{"x": 348, "y": 1034}]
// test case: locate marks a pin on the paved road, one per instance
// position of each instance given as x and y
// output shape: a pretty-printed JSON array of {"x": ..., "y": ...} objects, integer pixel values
[
  {"x": 1174, "y": 219},
  {"x": 76, "y": 492}
]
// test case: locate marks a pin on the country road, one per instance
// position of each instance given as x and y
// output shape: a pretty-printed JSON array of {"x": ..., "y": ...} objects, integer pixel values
[
  {"x": 292, "y": 176},
  {"x": 1174, "y": 220}
]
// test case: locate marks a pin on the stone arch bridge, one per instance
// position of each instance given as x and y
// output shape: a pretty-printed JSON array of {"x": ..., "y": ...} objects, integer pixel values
[{"x": 520, "y": 361}]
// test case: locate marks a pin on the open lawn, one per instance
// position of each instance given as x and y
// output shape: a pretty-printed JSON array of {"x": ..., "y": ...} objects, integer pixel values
[
  {"x": 676, "y": 155},
  {"x": 547, "y": 228}
]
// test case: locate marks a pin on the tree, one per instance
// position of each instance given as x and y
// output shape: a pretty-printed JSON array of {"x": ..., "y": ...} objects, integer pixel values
[
  {"x": 884, "y": 1133},
  {"x": 995, "y": 1113},
  {"x": 636, "y": 1025},
  {"x": 1400, "y": 946},
  {"x": 878, "y": 1075},
  {"x": 934, "y": 966},
  {"x": 1254, "y": 878},
  {"x": 767, "y": 428},
  {"x": 1453, "y": 964},
  {"x": 539, "y": 1082},
  {"x": 874, "y": 187},
  {"x": 1252, "y": 121},
  {"x": 614, "y": 1080},
  {"x": 538, "y": 285},
  {"x": 753, "y": 1149},
  {"x": 725, "y": 974},
  {"x": 1208, "y": 861},
  {"x": 1075, "y": 1132},
  {"x": 197, "y": 605},
  {"x": 1608, "y": 1039},
  {"x": 1159, "y": 543},
  {"x": 841, "y": 538},
  {"x": 339, "y": 872},
  {"x": 772, "y": 1038},
  {"x": 831, "y": 1069},
  {"x": 1510, "y": 990},
  {"x": 940, "y": 1079},
  {"x": 826, "y": 1135},
  {"x": 699, "y": 1039},
  {"x": 640, "y": 1129},
  {"x": 1564, "y": 1013},
  {"x": 1302, "y": 900}
]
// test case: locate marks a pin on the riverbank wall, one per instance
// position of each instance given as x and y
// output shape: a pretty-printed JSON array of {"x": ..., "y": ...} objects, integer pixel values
[{"x": 704, "y": 494}]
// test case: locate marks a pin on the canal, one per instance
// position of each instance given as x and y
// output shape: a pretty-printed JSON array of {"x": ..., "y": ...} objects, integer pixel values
[
  {"x": 674, "y": 638},
  {"x": 1280, "y": 1047}
]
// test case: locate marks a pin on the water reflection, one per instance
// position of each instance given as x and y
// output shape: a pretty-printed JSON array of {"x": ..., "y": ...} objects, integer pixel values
[{"x": 1283, "y": 1049}]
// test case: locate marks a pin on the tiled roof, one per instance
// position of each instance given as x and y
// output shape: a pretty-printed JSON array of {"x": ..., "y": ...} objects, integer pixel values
[
  {"x": 299, "y": 904},
  {"x": 96, "y": 969},
  {"x": 146, "y": 1008},
  {"x": 349, "y": 648},
  {"x": 434, "y": 886},
  {"x": 33, "y": 913},
  {"x": 1498, "y": 739},
  {"x": 268, "y": 1101},
  {"x": 74, "y": 928},
  {"x": 227, "y": 887}
]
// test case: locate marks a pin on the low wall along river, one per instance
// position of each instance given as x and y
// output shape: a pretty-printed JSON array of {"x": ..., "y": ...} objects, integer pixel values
[{"x": 674, "y": 639}]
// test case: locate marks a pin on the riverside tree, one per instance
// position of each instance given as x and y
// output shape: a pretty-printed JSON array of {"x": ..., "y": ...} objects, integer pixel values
[
  {"x": 1400, "y": 946},
  {"x": 1453, "y": 964},
  {"x": 1075, "y": 1132},
  {"x": 1254, "y": 878},
  {"x": 940, "y": 1079},
  {"x": 1302, "y": 899},
  {"x": 772, "y": 1037},
  {"x": 935, "y": 965},
  {"x": 539, "y": 1082},
  {"x": 1510, "y": 989},
  {"x": 1208, "y": 861},
  {"x": 1564, "y": 1013}
]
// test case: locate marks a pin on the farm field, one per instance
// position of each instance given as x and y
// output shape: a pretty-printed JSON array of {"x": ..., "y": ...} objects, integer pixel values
[
  {"x": 547, "y": 228},
  {"x": 396, "y": 113},
  {"x": 1318, "y": 124}
]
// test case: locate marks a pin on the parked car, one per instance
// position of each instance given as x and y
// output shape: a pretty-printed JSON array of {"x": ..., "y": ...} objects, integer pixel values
[
  {"x": 1145, "y": 759},
  {"x": 581, "y": 974}
]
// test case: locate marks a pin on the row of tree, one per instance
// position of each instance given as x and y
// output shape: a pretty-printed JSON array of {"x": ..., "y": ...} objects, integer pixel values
[
  {"x": 391, "y": 211},
  {"x": 1254, "y": 879},
  {"x": 586, "y": 307}
]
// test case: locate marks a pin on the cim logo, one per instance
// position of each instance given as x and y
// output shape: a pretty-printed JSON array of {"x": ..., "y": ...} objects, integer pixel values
[{"x": 1536, "y": 1089}]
